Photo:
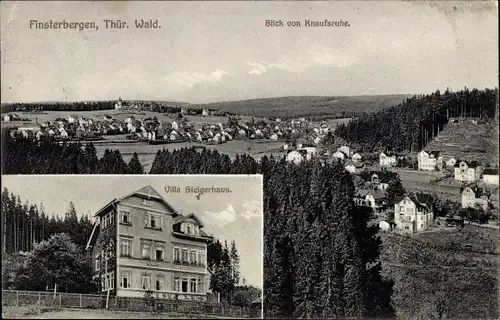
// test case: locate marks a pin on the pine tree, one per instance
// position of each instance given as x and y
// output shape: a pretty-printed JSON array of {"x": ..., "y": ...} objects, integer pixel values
[
  {"x": 134, "y": 166},
  {"x": 394, "y": 190}
]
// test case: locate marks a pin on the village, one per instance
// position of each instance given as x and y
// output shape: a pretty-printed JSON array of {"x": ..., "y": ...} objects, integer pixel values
[
  {"x": 149, "y": 129},
  {"x": 412, "y": 212}
]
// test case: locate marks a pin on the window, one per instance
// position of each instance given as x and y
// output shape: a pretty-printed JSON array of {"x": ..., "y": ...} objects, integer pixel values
[
  {"x": 125, "y": 279},
  {"x": 159, "y": 252},
  {"x": 97, "y": 262},
  {"x": 153, "y": 221},
  {"x": 185, "y": 257},
  {"x": 146, "y": 250},
  {"x": 192, "y": 256},
  {"x": 201, "y": 258},
  {"x": 146, "y": 202},
  {"x": 184, "y": 284},
  {"x": 160, "y": 283},
  {"x": 125, "y": 217},
  {"x": 189, "y": 229},
  {"x": 177, "y": 255},
  {"x": 109, "y": 281},
  {"x": 200, "y": 285},
  {"x": 146, "y": 282},
  {"x": 193, "y": 285},
  {"x": 111, "y": 218},
  {"x": 177, "y": 284},
  {"x": 125, "y": 247}
]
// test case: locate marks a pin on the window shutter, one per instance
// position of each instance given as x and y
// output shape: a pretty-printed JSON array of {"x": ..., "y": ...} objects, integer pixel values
[
  {"x": 161, "y": 222},
  {"x": 146, "y": 220},
  {"x": 183, "y": 227}
]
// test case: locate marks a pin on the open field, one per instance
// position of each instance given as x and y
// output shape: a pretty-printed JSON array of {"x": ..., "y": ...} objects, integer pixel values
[
  {"x": 434, "y": 272},
  {"x": 469, "y": 141},
  {"x": 33, "y": 313},
  {"x": 147, "y": 153},
  {"x": 306, "y": 106}
]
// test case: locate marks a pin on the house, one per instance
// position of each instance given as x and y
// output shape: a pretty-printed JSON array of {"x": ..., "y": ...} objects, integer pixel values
[
  {"x": 414, "y": 213},
  {"x": 350, "y": 168},
  {"x": 474, "y": 197},
  {"x": 346, "y": 150},
  {"x": 6, "y": 118},
  {"x": 380, "y": 179},
  {"x": 387, "y": 160},
  {"x": 340, "y": 155},
  {"x": 296, "y": 156},
  {"x": 467, "y": 171},
  {"x": 119, "y": 103},
  {"x": 140, "y": 242},
  {"x": 175, "y": 126},
  {"x": 205, "y": 112},
  {"x": 310, "y": 150},
  {"x": 256, "y": 308},
  {"x": 375, "y": 199},
  {"x": 490, "y": 176},
  {"x": 430, "y": 160},
  {"x": 384, "y": 225},
  {"x": 72, "y": 118},
  {"x": 356, "y": 157},
  {"x": 451, "y": 162}
]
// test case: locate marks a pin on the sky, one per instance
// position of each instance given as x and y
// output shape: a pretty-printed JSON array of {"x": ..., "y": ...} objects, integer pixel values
[
  {"x": 221, "y": 51},
  {"x": 231, "y": 216}
]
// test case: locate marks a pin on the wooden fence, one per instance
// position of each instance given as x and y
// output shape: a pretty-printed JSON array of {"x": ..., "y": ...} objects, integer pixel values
[{"x": 95, "y": 301}]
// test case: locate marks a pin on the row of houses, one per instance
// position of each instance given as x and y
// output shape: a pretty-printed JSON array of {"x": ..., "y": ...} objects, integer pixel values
[{"x": 415, "y": 212}]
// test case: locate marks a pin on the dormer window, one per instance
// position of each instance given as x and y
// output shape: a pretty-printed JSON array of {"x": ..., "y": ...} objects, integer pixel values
[{"x": 190, "y": 228}]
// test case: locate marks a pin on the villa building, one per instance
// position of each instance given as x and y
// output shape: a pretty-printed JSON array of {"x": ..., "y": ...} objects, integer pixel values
[
  {"x": 140, "y": 242},
  {"x": 414, "y": 213}
]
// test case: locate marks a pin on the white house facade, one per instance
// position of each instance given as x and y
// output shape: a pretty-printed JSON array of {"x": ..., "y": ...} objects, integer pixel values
[{"x": 413, "y": 213}]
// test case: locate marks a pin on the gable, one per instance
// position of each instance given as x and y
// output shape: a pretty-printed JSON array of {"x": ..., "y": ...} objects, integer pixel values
[{"x": 149, "y": 191}]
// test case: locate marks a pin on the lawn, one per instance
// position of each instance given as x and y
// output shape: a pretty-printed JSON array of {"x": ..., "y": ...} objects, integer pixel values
[{"x": 36, "y": 313}]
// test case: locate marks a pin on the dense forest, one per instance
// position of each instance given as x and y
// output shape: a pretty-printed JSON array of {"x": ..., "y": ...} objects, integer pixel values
[
  {"x": 410, "y": 125},
  {"x": 58, "y": 106},
  {"x": 25, "y": 156},
  {"x": 26, "y": 224}
]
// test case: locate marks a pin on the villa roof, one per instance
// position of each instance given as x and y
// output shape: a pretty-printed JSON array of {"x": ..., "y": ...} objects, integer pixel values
[
  {"x": 420, "y": 199},
  {"x": 470, "y": 164},
  {"x": 490, "y": 171}
]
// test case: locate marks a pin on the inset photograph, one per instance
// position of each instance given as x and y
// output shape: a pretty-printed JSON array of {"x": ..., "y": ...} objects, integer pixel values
[{"x": 161, "y": 246}]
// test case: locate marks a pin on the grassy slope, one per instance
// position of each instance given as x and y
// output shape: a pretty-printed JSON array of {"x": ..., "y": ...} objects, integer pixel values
[
  {"x": 306, "y": 106},
  {"x": 434, "y": 271},
  {"x": 468, "y": 141}
]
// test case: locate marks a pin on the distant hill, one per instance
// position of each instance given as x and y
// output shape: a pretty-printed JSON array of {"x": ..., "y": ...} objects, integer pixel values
[
  {"x": 307, "y": 106},
  {"x": 326, "y": 107}
]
